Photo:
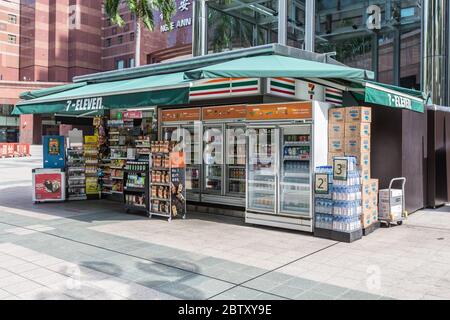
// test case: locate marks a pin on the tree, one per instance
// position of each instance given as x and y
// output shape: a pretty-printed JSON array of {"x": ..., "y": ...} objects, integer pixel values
[{"x": 143, "y": 9}]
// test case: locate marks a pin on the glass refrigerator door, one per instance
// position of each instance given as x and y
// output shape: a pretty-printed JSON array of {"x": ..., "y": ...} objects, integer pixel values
[
  {"x": 213, "y": 159},
  {"x": 262, "y": 170},
  {"x": 192, "y": 147},
  {"x": 235, "y": 160},
  {"x": 167, "y": 132},
  {"x": 295, "y": 184}
]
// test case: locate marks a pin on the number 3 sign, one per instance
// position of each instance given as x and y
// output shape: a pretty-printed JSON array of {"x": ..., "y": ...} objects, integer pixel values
[{"x": 340, "y": 169}]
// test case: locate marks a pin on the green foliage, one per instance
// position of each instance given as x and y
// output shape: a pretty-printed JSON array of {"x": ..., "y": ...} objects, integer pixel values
[{"x": 143, "y": 9}]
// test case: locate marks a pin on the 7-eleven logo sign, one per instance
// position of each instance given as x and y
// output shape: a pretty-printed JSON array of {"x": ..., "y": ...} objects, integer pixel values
[{"x": 311, "y": 90}]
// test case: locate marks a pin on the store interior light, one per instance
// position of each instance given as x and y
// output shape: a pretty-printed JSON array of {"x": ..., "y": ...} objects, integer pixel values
[{"x": 142, "y": 109}]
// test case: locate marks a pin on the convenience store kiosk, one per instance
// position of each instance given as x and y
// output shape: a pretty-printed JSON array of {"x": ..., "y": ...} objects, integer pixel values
[{"x": 287, "y": 141}]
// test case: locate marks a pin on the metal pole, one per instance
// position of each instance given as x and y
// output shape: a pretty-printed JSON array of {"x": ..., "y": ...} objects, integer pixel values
[
  {"x": 375, "y": 52},
  {"x": 137, "y": 39},
  {"x": 200, "y": 28},
  {"x": 282, "y": 22},
  {"x": 310, "y": 23},
  {"x": 396, "y": 57},
  {"x": 434, "y": 50}
]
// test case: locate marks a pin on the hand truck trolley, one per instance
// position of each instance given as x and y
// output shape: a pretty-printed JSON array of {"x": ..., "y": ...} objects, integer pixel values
[{"x": 391, "y": 204}]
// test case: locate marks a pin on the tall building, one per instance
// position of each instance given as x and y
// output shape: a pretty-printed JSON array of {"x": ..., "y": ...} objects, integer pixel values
[
  {"x": 405, "y": 42},
  {"x": 45, "y": 42},
  {"x": 60, "y": 39},
  {"x": 132, "y": 44},
  {"x": 9, "y": 39}
]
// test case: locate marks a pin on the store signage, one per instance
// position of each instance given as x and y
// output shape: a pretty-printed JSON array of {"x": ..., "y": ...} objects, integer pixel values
[
  {"x": 321, "y": 183},
  {"x": 132, "y": 115},
  {"x": 85, "y": 104},
  {"x": 393, "y": 100},
  {"x": 340, "y": 169},
  {"x": 289, "y": 110},
  {"x": 183, "y": 6},
  {"x": 309, "y": 91},
  {"x": 48, "y": 186}
]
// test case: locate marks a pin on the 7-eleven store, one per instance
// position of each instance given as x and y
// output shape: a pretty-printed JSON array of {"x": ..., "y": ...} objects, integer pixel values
[{"x": 253, "y": 123}]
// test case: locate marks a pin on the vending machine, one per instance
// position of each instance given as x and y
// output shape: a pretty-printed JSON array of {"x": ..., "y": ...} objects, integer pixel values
[
  {"x": 286, "y": 141},
  {"x": 54, "y": 152}
]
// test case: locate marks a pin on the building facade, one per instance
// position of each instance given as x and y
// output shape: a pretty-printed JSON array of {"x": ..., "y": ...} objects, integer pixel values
[
  {"x": 405, "y": 42},
  {"x": 48, "y": 42}
]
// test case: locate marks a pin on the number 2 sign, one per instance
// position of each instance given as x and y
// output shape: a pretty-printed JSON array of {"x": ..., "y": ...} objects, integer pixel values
[{"x": 321, "y": 183}]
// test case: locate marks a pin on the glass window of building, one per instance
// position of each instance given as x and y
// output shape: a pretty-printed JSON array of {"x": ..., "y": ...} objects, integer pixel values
[
  {"x": 379, "y": 35},
  {"x": 131, "y": 63},
  {"x": 120, "y": 64},
  {"x": 12, "y": 18},
  {"x": 108, "y": 42},
  {"x": 235, "y": 24},
  {"x": 120, "y": 39},
  {"x": 132, "y": 36},
  {"x": 12, "y": 38}
]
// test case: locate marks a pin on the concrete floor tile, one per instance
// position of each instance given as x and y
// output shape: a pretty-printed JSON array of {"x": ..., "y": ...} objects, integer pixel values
[
  {"x": 311, "y": 295},
  {"x": 22, "y": 287},
  {"x": 358, "y": 295},
  {"x": 330, "y": 290},
  {"x": 238, "y": 293},
  {"x": 11, "y": 280}
]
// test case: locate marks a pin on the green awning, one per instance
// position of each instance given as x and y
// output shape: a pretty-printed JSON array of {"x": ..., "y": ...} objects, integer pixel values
[
  {"x": 391, "y": 96},
  {"x": 166, "y": 89},
  {"x": 27, "y": 95},
  {"x": 270, "y": 66}
]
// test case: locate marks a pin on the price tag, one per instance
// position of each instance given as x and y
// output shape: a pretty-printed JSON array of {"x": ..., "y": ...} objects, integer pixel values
[
  {"x": 321, "y": 183},
  {"x": 340, "y": 169}
]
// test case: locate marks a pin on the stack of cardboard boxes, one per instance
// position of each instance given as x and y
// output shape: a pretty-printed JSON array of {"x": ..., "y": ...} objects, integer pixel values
[{"x": 349, "y": 132}]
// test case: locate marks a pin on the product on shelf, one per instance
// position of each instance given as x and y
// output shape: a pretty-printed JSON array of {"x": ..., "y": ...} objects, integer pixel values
[
  {"x": 136, "y": 190},
  {"x": 91, "y": 153},
  {"x": 76, "y": 176},
  {"x": 168, "y": 187}
]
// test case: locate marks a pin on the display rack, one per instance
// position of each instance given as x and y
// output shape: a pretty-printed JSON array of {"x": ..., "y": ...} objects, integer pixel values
[
  {"x": 91, "y": 165},
  {"x": 136, "y": 189},
  {"x": 168, "y": 185},
  {"x": 118, "y": 144},
  {"x": 76, "y": 178}
]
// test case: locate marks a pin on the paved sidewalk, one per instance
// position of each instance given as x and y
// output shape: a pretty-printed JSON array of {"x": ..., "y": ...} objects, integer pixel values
[{"x": 93, "y": 250}]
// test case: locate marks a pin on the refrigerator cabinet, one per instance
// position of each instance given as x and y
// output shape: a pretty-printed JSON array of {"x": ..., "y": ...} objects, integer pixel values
[
  {"x": 294, "y": 188},
  {"x": 235, "y": 163},
  {"x": 213, "y": 164},
  {"x": 262, "y": 169}
]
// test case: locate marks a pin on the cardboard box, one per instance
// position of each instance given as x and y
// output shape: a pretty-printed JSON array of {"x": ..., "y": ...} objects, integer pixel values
[
  {"x": 358, "y": 114},
  {"x": 366, "y": 220},
  {"x": 357, "y": 145},
  {"x": 331, "y": 155},
  {"x": 357, "y": 129},
  {"x": 365, "y": 176},
  {"x": 362, "y": 159},
  {"x": 336, "y": 115},
  {"x": 336, "y": 145},
  {"x": 374, "y": 186},
  {"x": 336, "y": 130}
]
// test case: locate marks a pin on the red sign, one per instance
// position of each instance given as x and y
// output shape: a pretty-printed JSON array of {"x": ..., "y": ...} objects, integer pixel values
[
  {"x": 48, "y": 186},
  {"x": 132, "y": 115},
  {"x": 14, "y": 150}
]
